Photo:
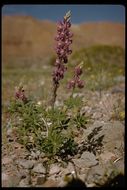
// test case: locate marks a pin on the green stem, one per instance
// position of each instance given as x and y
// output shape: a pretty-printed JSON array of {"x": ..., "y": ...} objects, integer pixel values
[
  {"x": 71, "y": 96},
  {"x": 54, "y": 94}
]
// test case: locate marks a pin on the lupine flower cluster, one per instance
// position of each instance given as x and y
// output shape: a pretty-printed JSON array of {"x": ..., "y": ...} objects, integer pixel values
[
  {"x": 64, "y": 39},
  {"x": 76, "y": 81},
  {"x": 20, "y": 94}
]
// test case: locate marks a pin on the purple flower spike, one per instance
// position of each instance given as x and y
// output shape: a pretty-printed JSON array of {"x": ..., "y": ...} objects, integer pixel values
[
  {"x": 20, "y": 94},
  {"x": 76, "y": 79},
  {"x": 64, "y": 39}
]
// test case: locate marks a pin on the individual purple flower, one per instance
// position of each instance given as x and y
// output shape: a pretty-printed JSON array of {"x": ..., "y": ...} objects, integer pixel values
[
  {"x": 71, "y": 84},
  {"x": 80, "y": 84},
  {"x": 78, "y": 71}
]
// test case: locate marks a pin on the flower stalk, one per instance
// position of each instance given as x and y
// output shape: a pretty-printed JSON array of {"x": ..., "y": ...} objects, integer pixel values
[
  {"x": 76, "y": 81},
  {"x": 63, "y": 41}
]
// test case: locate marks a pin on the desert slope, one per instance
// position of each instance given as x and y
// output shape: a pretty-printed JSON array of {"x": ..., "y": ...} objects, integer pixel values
[{"x": 25, "y": 36}]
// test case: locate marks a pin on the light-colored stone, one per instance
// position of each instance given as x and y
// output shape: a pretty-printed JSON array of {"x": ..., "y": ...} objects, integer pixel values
[
  {"x": 68, "y": 170},
  {"x": 89, "y": 158},
  {"x": 6, "y": 160},
  {"x": 77, "y": 95},
  {"x": 9, "y": 132},
  {"x": 10, "y": 181},
  {"x": 5, "y": 179},
  {"x": 50, "y": 183},
  {"x": 39, "y": 168},
  {"x": 79, "y": 163},
  {"x": 82, "y": 177},
  {"x": 24, "y": 173},
  {"x": 24, "y": 183},
  {"x": 54, "y": 169},
  {"x": 120, "y": 165},
  {"x": 112, "y": 131},
  {"x": 62, "y": 183},
  {"x": 35, "y": 154},
  {"x": 42, "y": 155},
  {"x": 87, "y": 161},
  {"x": 97, "y": 115},
  {"x": 96, "y": 173},
  {"x": 107, "y": 156},
  {"x": 27, "y": 164}
]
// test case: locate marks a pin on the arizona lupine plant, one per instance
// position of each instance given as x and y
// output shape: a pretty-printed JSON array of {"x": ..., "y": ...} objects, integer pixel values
[
  {"x": 63, "y": 41},
  {"x": 76, "y": 81}
]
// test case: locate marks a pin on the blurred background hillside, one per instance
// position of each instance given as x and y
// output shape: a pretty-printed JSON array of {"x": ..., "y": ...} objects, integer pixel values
[
  {"x": 28, "y": 33},
  {"x": 26, "y": 37}
]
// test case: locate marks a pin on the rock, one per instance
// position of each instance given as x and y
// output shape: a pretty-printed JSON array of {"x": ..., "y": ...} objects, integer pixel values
[
  {"x": 24, "y": 183},
  {"x": 62, "y": 183},
  {"x": 70, "y": 167},
  {"x": 40, "y": 180},
  {"x": 50, "y": 183},
  {"x": 97, "y": 115},
  {"x": 120, "y": 166},
  {"x": 24, "y": 173},
  {"x": 6, "y": 160},
  {"x": 42, "y": 155},
  {"x": 35, "y": 155},
  {"x": 96, "y": 173},
  {"x": 79, "y": 163},
  {"x": 68, "y": 170},
  {"x": 10, "y": 181},
  {"x": 89, "y": 158},
  {"x": 101, "y": 174},
  {"x": 39, "y": 168},
  {"x": 77, "y": 156},
  {"x": 58, "y": 103},
  {"x": 54, "y": 169},
  {"x": 9, "y": 132},
  {"x": 13, "y": 157},
  {"x": 82, "y": 177},
  {"x": 5, "y": 179},
  {"x": 38, "y": 152},
  {"x": 86, "y": 161},
  {"x": 107, "y": 156},
  {"x": 77, "y": 95},
  {"x": 112, "y": 131},
  {"x": 27, "y": 164}
]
